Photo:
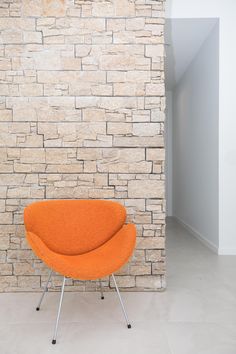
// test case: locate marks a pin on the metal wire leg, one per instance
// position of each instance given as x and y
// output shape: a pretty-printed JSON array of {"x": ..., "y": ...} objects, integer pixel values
[
  {"x": 102, "y": 295},
  {"x": 59, "y": 311},
  {"x": 44, "y": 291},
  {"x": 121, "y": 302}
]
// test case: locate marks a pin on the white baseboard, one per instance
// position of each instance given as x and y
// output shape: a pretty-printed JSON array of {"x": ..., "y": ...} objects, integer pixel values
[
  {"x": 197, "y": 235},
  {"x": 227, "y": 252}
]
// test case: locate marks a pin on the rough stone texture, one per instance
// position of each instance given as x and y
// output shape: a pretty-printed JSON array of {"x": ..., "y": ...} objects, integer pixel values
[{"x": 82, "y": 105}]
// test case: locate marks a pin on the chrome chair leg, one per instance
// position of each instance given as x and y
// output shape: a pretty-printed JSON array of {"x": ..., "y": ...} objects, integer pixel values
[
  {"x": 121, "y": 302},
  {"x": 44, "y": 291},
  {"x": 59, "y": 311},
  {"x": 101, "y": 291}
]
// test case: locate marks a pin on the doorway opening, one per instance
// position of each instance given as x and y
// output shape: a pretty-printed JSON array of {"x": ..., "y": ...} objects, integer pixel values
[{"x": 192, "y": 133}]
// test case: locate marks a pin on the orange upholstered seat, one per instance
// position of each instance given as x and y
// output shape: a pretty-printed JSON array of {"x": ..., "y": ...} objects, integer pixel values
[{"x": 81, "y": 239}]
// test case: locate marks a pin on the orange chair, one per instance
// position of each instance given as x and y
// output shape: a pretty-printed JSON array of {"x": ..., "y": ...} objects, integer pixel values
[{"x": 80, "y": 239}]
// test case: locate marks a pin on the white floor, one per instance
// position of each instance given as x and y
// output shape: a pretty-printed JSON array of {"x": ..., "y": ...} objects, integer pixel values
[{"x": 196, "y": 314}]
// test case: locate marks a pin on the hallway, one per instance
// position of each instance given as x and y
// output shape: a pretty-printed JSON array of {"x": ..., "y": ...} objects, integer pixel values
[{"x": 196, "y": 314}]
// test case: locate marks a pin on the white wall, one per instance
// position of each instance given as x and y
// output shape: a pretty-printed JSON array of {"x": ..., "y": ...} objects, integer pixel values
[
  {"x": 225, "y": 11},
  {"x": 168, "y": 161},
  {"x": 195, "y": 143}
]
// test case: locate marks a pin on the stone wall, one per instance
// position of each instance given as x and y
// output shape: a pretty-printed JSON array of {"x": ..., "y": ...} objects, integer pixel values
[{"x": 82, "y": 116}]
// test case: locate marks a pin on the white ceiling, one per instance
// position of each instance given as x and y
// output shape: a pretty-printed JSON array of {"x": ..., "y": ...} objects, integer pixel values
[{"x": 183, "y": 38}]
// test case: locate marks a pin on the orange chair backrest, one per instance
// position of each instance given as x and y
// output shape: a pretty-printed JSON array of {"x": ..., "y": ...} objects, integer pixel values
[{"x": 74, "y": 227}]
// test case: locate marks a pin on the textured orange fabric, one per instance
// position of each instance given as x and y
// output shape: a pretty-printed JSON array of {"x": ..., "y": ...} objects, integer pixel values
[
  {"x": 74, "y": 227},
  {"x": 81, "y": 239},
  {"x": 95, "y": 264}
]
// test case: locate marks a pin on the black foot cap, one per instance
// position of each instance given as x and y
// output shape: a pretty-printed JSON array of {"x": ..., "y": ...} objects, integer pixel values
[
  {"x": 102, "y": 297},
  {"x": 37, "y": 308},
  {"x": 54, "y": 341},
  {"x": 129, "y": 325}
]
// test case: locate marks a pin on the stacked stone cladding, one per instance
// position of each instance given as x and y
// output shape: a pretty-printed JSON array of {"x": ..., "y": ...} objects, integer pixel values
[{"x": 82, "y": 103}]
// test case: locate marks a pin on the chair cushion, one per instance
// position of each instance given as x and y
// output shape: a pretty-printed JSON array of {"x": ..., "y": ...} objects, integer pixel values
[
  {"x": 73, "y": 227},
  {"x": 95, "y": 264}
]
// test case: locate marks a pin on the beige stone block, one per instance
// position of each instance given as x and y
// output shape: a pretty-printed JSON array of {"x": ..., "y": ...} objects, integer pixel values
[
  {"x": 119, "y": 128},
  {"x": 153, "y": 256},
  {"x": 116, "y": 76},
  {"x": 20, "y": 255},
  {"x": 155, "y": 89},
  {"x": 5, "y": 269},
  {"x": 123, "y": 281},
  {"x": 109, "y": 103},
  {"x": 93, "y": 114},
  {"x": 90, "y": 166},
  {"x": 153, "y": 102},
  {"x": 157, "y": 141},
  {"x": 12, "y": 36},
  {"x": 101, "y": 90},
  {"x": 29, "y": 282},
  {"x": 19, "y": 128},
  {"x": 100, "y": 179},
  {"x": 54, "y": 156},
  {"x": 25, "y": 192},
  {"x": 24, "y": 113},
  {"x": 32, "y": 37},
  {"x": 129, "y": 89},
  {"x": 69, "y": 168},
  {"x": 82, "y": 50},
  {"x": 8, "y": 282},
  {"x": 5, "y": 64},
  {"x": 117, "y": 62},
  {"x": 157, "y": 115},
  {"x": 155, "y": 51},
  {"x": 2, "y": 208},
  {"x": 138, "y": 256},
  {"x": 71, "y": 63},
  {"x": 6, "y": 218},
  {"x": 31, "y": 8},
  {"x": 2, "y": 256},
  {"x": 124, "y": 37},
  {"x": 140, "y": 269},
  {"x": 134, "y": 24},
  {"x": 148, "y": 282},
  {"x": 3, "y": 191},
  {"x": 32, "y": 141},
  {"x": 4, "y": 242},
  {"x": 115, "y": 24},
  {"x": 11, "y": 179},
  {"x": 138, "y": 76},
  {"x": 67, "y": 192},
  {"x": 156, "y": 29},
  {"x": 5, "y": 115},
  {"x": 143, "y": 218},
  {"x": 20, "y": 23},
  {"x": 89, "y": 154},
  {"x": 103, "y": 193},
  {"x": 156, "y": 154},
  {"x": 146, "y": 189},
  {"x": 31, "y": 90},
  {"x": 44, "y": 21},
  {"x": 142, "y": 63},
  {"x": 124, "y": 8},
  {"x": 102, "y": 9},
  {"x": 32, "y": 156},
  {"x": 146, "y": 129},
  {"x": 150, "y": 243},
  {"x": 4, "y": 90},
  {"x": 23, "y": 269},
  {"x": 55, "y": 8},
  {"x": 101, "y": 141},
  {"x": 123, "y": 155},
  {"x": 159, "y": 268}
]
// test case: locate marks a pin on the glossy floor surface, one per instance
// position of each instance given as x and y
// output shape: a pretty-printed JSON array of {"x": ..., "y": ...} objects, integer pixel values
[{"x": 195, "y": 315}]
